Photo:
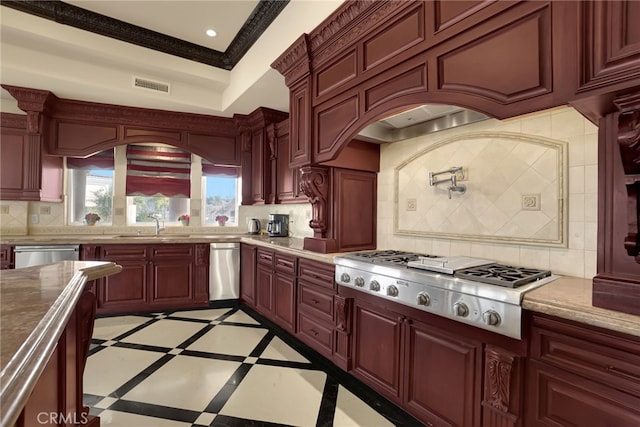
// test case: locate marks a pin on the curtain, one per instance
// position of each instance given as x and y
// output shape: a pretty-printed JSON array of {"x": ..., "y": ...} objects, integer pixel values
[
  {"x": 209, "y": 169},
  {"x": 158, "y": 171},
  {"x": 101, "y": 160}
]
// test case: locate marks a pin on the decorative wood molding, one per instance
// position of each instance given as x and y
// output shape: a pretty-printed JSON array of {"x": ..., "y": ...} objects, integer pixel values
[
  {"x": 14, "y": 121},
  {"x": 294, "y": 63},
  {"x": 629, "y": 143},
  {"x": 498, "y": 379},
  {"x": 85, "y": 317},
  {"x": 262, "y": 16},
  {"x": 314, "y": 183},
  {"x": 344, "y": 307}
]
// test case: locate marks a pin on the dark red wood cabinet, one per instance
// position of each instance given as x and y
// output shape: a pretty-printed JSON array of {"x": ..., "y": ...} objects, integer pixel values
[
  {"x": 248, "y": 258},
  {"x": 26, "y": 172},
  {"x": 286, "y": 178},
  {"x": 578, "y": 375},
  {"x": 276, "y": 287},
  {"x": 153, "y": 277},
  {"x": 316, "y": 310},
  {"x": 7, "y": 259},
  {"x": 264, "y": 282},
  {"x": 434, "y": 373}
]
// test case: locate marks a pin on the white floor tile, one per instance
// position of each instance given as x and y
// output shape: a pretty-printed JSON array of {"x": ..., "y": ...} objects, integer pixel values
[
  {"x": 211, "y": 314},
  {"x": 278, "y": 395},
  {"x": 184, "y": 382},
  {"x": 205, "y": 419},
  {"x": 227, "y": 339},
  {"x": 123, "y": 419},
  {"x": 165, "y": 333},
  {"x": 278, "y": 350},
  {"x": 241, "y": 317},
  {"x": 110, "y": 368},
  {"x": 351, "y": 411},
  {"x": 110, "y": 327}
]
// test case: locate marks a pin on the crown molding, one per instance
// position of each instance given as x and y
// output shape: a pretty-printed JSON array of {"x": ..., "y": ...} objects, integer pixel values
[{"x": 63, "y": 13}]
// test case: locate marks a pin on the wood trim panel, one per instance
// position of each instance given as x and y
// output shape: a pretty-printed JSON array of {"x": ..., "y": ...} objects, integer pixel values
[
  {"x": 406, "y": 79},
  {"x": 343, "y": 70},
  {"x": 610, "y": 48},
  {"x": 75, "y": 139},
  {"x": 531, "y": 63},
  {"x": 300, "y": 124},
  {"x": 399, "y": 36},
  {"x": 330, "y": 124}
]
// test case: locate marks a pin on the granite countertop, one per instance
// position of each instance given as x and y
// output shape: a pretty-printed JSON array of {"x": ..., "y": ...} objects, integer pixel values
[
  {"x": 35, "y": 304},
  {"x": 570, "y": 298},
  {"x": 292, "y": 245}
]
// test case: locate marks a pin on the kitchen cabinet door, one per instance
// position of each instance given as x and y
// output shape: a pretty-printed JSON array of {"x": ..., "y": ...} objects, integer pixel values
[
  {"x": 285, "y": 301},
  {"x": 264, "y": 290},
  {"x": 127, "y": 290},
  {"x": 6, "y": 257},
  {"x": 248, "y": 259},
  {"x": 442, "y": 376},
  {"x": 171, "y": 278},
  {"x": 377, "y": 349}
]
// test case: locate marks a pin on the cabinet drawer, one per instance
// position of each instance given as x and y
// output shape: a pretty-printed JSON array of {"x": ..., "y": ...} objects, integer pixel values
[
  {"x": 313, "y": 300},
  {"x": 285, "y": 263},
  {"x": 114, "y": 252},
  {"x": 612, "y": 360},
  {"x": 265, "y": 257},
  {"x": 316, "y": 272},
  {"x": 316, "y": 332},
  {"x": 172, "y": 251}
]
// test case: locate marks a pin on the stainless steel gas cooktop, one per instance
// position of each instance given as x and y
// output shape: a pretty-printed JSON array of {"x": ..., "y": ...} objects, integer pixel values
[{"x": 479, "y": 292}]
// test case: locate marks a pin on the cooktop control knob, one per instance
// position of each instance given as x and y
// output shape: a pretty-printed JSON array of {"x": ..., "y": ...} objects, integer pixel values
[
  {"x": 359, "y": 282},
  {"x": 374, "y": 285},
  {"x": 345, "y": 278},
  {"x": 461, "y": 309},
  {"x": 423, "y": 299},
  {"x": 392, "y": 291},
  {"x": 491, "y": 318}
]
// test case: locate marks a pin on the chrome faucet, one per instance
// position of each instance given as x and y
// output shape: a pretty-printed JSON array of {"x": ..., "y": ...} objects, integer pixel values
[
  {"x": 157, "y": 218},
  {"x": 453, "y": 179}
]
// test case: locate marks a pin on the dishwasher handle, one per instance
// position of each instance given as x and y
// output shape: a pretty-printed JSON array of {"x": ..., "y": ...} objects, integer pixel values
[{"x": 23, "y": 249}]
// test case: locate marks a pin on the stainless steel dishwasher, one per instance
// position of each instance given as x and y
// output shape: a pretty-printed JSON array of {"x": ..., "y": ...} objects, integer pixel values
[
  {"x": 30, "y": 255},
  {"x": 224, "y": 271}
]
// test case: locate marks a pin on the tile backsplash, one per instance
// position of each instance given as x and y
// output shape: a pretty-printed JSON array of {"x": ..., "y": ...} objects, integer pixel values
[{"x": 564, "y": 125}]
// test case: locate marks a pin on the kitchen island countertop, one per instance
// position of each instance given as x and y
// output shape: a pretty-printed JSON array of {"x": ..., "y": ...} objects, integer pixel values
[{"x": 35, "y": 305}]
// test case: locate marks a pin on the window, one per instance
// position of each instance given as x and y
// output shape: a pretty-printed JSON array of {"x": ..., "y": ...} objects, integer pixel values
[
  {"x": 90, "y": 187},
  {"x": 158, "y": 183},
  {"x": 220, "y": 186}
]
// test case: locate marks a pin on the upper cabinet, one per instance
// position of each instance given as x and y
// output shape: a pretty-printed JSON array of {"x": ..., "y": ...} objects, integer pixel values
[{"x": 26, "y": 172}]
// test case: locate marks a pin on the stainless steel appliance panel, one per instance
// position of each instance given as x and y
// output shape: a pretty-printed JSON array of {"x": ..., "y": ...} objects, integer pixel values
[
  {"x": 224, "y": 271},
  {"x": 30, "y": 255}
]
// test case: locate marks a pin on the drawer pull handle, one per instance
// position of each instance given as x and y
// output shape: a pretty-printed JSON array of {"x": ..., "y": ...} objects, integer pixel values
[
  {"x": 315, "y": 301},
  {"x": 314, "y": 332},
  {"x": 616, "y": 371}
]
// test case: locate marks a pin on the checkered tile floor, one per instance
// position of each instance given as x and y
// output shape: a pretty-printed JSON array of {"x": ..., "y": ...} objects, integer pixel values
[{"x": 219, "y": 367}]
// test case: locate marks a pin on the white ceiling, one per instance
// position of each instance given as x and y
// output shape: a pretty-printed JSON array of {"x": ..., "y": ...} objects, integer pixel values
[{"x": 76, "y": 64}]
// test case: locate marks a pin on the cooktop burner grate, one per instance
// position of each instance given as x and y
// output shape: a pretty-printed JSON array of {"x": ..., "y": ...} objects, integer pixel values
[
  {"x": 502, "y": 275},
  {"x": 387, "y": 257}
]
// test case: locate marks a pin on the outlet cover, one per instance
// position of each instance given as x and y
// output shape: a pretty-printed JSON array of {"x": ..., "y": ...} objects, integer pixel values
[
  {"x": 4, "y": 209},
  {"x": 412, "y": 204},
  {"x": 45, "y": 210},
  {"x": 531, "y": 202}
]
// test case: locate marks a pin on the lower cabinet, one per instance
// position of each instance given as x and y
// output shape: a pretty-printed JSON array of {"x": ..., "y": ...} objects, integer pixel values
[
  {"x": 435, "y": 374},
  {"x": 581, "y": 376},
  {"x": 276, "y": 287},
  {"x": 7, "y": 261},
  {"x": 248, "y": 258},
  {"x": 153, "y": 277}
]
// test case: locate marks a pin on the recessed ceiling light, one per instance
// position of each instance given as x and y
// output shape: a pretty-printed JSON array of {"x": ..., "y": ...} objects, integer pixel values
[{"x": 211, "y": 33}]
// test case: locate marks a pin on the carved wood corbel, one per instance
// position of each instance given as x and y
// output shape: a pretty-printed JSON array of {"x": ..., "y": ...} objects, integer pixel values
[
  {"x": 501, "y": 387},
  {"x": 629, "y": 143},
  {"x": 314, "y": 183}
]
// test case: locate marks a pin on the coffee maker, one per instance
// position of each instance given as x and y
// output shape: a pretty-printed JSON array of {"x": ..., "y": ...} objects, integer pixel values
[{"x": 278, "y": 225}]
